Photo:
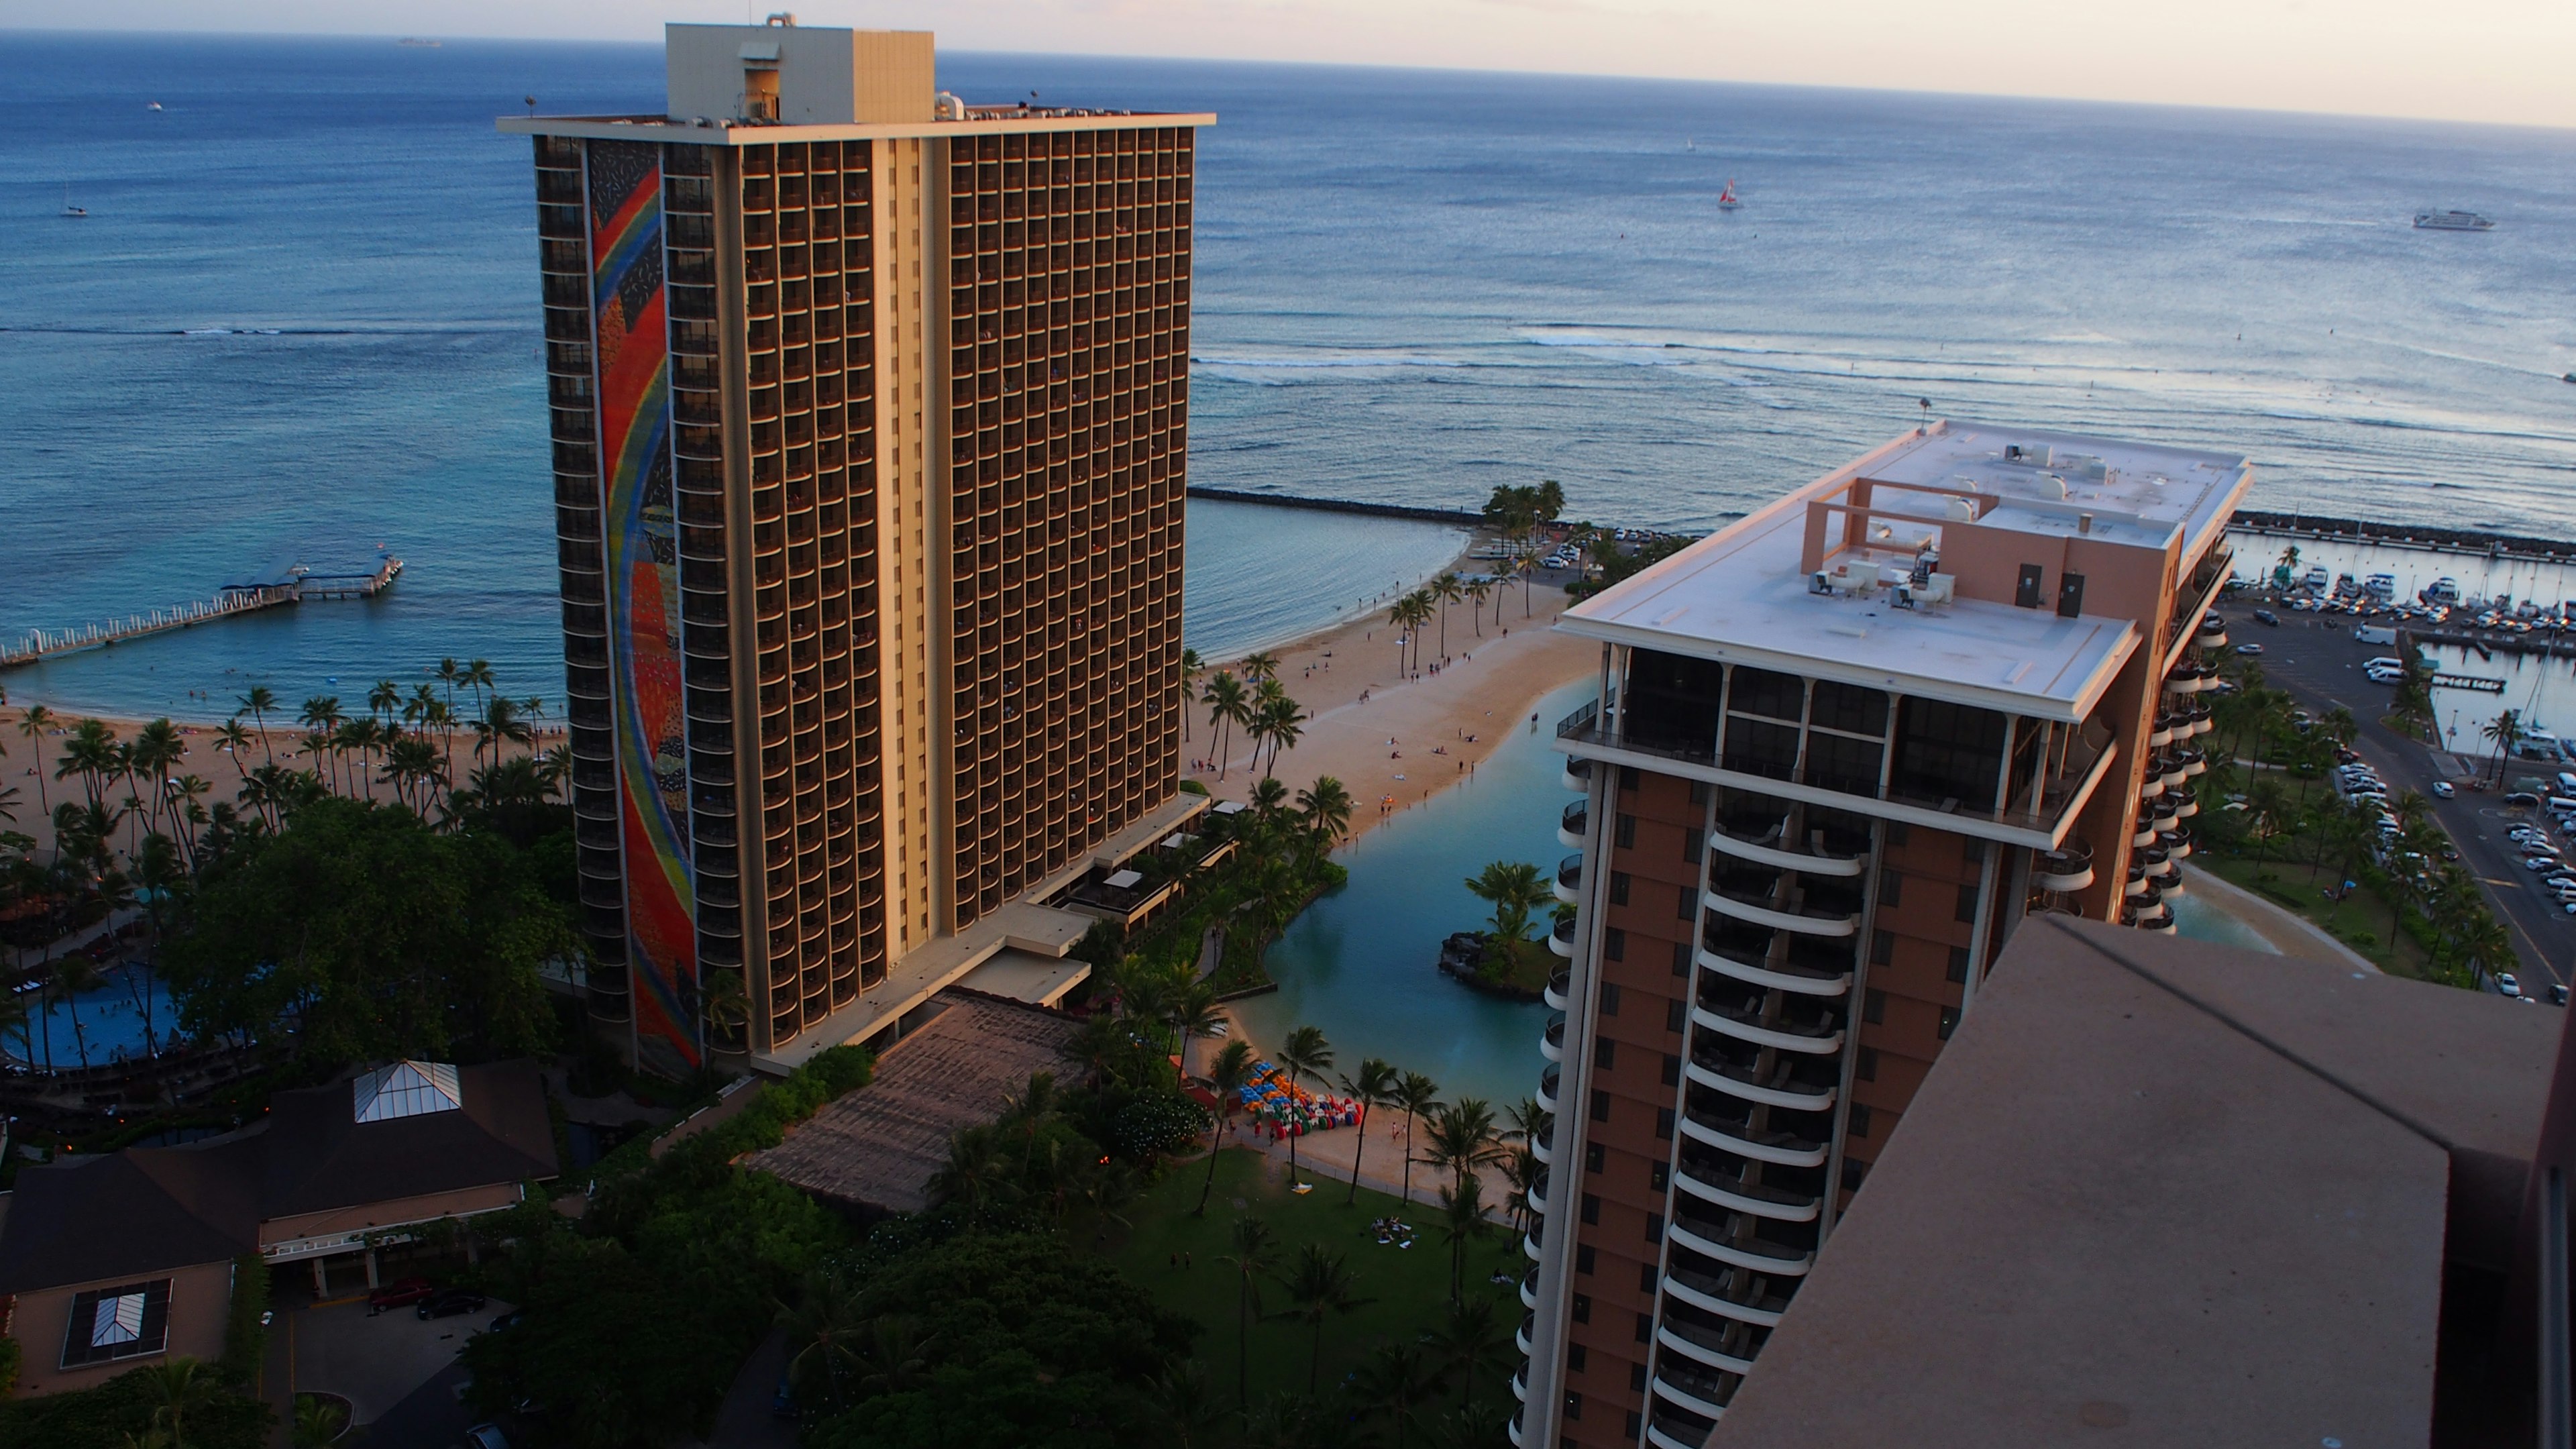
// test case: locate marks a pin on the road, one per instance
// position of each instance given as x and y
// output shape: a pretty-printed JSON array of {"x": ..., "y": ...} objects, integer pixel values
[{"x": 2319, "y": 663}]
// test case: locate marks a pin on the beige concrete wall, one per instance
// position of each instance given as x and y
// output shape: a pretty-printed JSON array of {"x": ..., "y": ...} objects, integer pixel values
[
  {"x": 200, "y": 1297},
  {"x": 914, "y": 794},
  {"x": 386, "y": 1214},
  {"x": 825, "y": 76}
]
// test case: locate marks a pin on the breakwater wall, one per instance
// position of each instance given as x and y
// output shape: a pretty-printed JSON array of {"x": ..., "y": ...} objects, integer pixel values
[
  {"x": 2403, "y": 535},
  {"x": 1459, "y": 516}
]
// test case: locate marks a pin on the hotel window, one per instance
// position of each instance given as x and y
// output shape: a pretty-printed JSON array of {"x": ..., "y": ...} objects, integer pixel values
[
  {"x": 1591, "y": 1209},
  {"x": 1681, "y": 958},
  {"x": 1859, "y": 1120},
  {"x": 109, "y": 1324},
  {"x": 1873, "y": 1006},
  {"x": 1618, "y": 888},
  {"x": 1949, "y": 1021},
  {"x": 1659, "y": 1177},
  {"x": 1614, "y": 944},
  {"x": 1583, "y": 1258},
  {"x": 1967, "y": 903},
  {"x": 1866, "y": 1068},
  {"x": 1891, "y": 888},
  {"x": 1573, "y": 1406},
  {"x": 1663, "y": 1124},
  {"x": 1672, "y": 1070},
  {"x": 1958, "y": 963},
  {"x": 1645, "y": 1327},
  {"x": 1636, "y": 1376},
  {"x": 1592, "y": 1157},
  {"x": 1948, "y": 752},
  {"x": 1605, "y": 1052},
  {"x": 1582, "y": 1309},
  {"x": 1769, "y": 694},
  {"x": 1882, "y": 947},
  {"x": 1627, "y": 837},
  {"x": 1691, "y": 843},
  {"x": 1609, "y": 1003},
  {"x": 1673, "y": 1015},
  {"x": 1689, "y": 903},
  {"x": 1850, "y": 708}
]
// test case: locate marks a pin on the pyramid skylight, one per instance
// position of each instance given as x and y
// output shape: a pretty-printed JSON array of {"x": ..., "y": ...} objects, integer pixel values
[{"x": 407, "y": 1089}]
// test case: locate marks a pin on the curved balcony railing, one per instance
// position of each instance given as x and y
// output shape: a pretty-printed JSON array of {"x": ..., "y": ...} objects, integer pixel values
[
  {"x": 1715, "y": 1239},
  {"x": 1734, "y": 1132},
  {"x": 1538, "y": 1192},
  {"x": 1570, "y": 825},
  {"x": 1702, "y": 1394},
  {"x": 1729, "y": 1295},
  {"x": 2176, "y": 843},
  {"x": 1819, "y": 1034},
  {"x": 2185, "y": 803},
  {"x": 1780, "y": 1087},
  {"x": 1801, "y": 919},
  {"x": 1669, "y": 1428},
  {"x": 2067, "y": 868},
  {"x": 1700, "y": 1345},
  {"x": 1547, "y": 1086},
  {"x": 1529, "y": 1289},
  {"x": 1560, "y": 937},
  {"x": 1557, "y": 986},
  {"x": 1758, "y": 1198},
  {"x": 1578, "y": 775},
  {"x": 1823, "y": 853},
  {"x": 1551, "y": 1042},
  {"x": 1521, "y": 1339},
  {"x": 1779, "y": 973},
  {"x": 1569, "y": 878}
]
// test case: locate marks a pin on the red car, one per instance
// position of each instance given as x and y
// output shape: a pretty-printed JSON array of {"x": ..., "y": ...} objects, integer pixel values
[{"x": 398, "y": 1293}]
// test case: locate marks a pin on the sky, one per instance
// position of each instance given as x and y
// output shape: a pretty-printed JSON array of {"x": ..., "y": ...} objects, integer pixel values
[{"x": 2504, "y": 61}]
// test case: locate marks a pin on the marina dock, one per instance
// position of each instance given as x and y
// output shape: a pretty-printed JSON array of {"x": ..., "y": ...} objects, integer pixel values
[{"x": 293, "y": 584}]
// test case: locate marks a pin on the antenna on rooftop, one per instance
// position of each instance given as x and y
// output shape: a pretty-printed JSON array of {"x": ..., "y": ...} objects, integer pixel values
[
  {"x": 532, "y": 104},
  {"x": 1925, "y": 403}
]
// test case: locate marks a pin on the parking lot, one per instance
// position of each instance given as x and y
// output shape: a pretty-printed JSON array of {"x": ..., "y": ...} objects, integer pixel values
[
  {"x": 2321, "y": 665},
  {"x": 398, "y": 1371}
]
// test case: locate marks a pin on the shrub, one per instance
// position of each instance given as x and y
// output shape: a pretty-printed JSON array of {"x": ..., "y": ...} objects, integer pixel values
[
  {"x": 245, "y": 1337},
  {"x": 1154, "y": 1124}
]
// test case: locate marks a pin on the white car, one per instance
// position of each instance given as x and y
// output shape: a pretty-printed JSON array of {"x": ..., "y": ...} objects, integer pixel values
[
  {"x": 2507, "y": 985},
  {"x": 2442, "y": 790}
]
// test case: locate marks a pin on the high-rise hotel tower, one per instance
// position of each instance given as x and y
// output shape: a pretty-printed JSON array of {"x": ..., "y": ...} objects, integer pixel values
[
  {"x": 1840, "y": 749},
  {"x": 869, "y": 417}
]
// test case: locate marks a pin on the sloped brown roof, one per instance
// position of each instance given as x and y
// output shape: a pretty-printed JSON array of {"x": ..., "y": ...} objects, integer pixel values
[
  {"x": 877, "y": 1147},
  {"x": 152, "y": 1209}
]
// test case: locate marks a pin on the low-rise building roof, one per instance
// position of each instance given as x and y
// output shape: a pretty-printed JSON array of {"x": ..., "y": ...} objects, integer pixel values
[{"x": 152, "y": 1209}]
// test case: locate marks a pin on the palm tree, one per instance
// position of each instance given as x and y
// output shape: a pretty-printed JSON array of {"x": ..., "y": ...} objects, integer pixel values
[
  {"x": 76, "y": 976},
  {"x": 1261, "y": 665},
  {"x": 2504, "y": 732},
  {"x": 1392, "y": 1381},
  {"x": 257, "y": 704},
  {"x": 2489, "y": 947},
  {"x": 2270, "y": 805},
  {"x": 1445, "y": 590},
  {"x": 318, "y": 1421},
  {"x": 235, "y": 740},
  {"x": 1305, "y": 1054},
  {"x": 1225, "y": 699},
  {"x": 1462, "y": 1221},
  {"x": 1374, "y": 1085},
  {"x": 177, "y": 1388},
  {"x": 33, "y": 723},
  {"x": 1326, "y": 807},
  {"x": 1254, "y": 1251},
  {"x": 1515, "y": 889},
  {"x": 1193, "y": 1014},
  {"x": 1228, "y": 1075},
  {"x": 1462, "y": 1138},
  {"x": 1399, "y": 617},
  {"x": 1478, "y": 590},
  {"x": 1278, "y": 722},
  {"x": 320, "y": 719},
  {"x": 1468, "y": 1343},
  {"x": 1319, "y": 1286},
  {"x": 1187, "y": 1406},
  {"x": 478, "y": 673},
  {"x": 1417, "y": 1096},
  {"x": 823, "y": 1333}
]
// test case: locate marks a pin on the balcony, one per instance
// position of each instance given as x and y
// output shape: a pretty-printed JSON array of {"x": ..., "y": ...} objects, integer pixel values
[
  {"x": 1671, "y": 1431},
  {"x": 1820, "y": 1033},
  {"x": 1724, "y": 1240},
  {"x": 1701, "y": 1346},
  {"x": 1569, "y": 878},
  {"x": 1547, "y": 1089},
  {"x": 1780, "y": 1086},
  {"x": 1560, "y": 937},
  {"x": 1538, "y": 1193},
  {"x": 1702, "y": 1394},
  {"x": 1758, "y": 1198},
  {"x": 1557, "y": 985},
  {"x": 2176, "y": 843},
  {"x": 1762, "y": 839},
  {"x": 1570, "y": 825},
  {"x": 1551, "y": 1042},
  {"x": 1729, "y": 1295},
  {"x": 1578, "y": 775},
  {"x": 2067, "y": 868},
  {"x": 1521, "y": 1339},
  {"x": 1773, "y": 969},
  {"x": 1734, "y": 1132},
  {"x": 1529, "y": 1289},
  {"x": 1735, "y": 894}
]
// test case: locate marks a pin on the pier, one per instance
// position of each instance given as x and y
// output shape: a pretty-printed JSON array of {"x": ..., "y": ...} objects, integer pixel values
[
  {"x": 291, "y": 585},
  {"x": 2263, "y": 523}
]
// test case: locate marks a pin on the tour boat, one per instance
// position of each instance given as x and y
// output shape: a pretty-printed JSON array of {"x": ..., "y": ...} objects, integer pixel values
[
  {"x": 2452, "y": 221},
  {"x": 1726, "y": 198}
]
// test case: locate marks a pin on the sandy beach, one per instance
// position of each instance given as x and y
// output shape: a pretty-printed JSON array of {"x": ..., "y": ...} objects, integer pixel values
[{"x": 1392, "y": 740}]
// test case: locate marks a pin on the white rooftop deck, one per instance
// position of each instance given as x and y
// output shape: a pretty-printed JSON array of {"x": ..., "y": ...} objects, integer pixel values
[{"x": 1741, "y": 595}]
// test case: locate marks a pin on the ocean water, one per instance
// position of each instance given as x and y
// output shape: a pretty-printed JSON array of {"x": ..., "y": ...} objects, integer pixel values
[{"x": 300, "y": 320}]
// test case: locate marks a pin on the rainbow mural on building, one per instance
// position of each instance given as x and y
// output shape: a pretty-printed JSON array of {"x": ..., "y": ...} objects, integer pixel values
[{"x": 627, "y": 305}]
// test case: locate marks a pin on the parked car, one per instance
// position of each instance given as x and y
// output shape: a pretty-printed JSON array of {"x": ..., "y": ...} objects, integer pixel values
[
  {"x": 511, "y": 1319},
  {"x": 486, "y": 1436},
  {"x": 2249, "y": 649},
  {"x": 2557, "y": 995},
  {"x": 2522, "y": 800},
  {"x": 451, "y": 1303},
  {"x": 2442, "y": 790},
  {"x": 399, "y": 1292},
  {"x": 2507, "y": 985},
  {"x": 2266, "y": 616}
]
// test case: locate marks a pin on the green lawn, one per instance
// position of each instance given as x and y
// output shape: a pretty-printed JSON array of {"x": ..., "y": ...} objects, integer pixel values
[{"x": 1408, "y": 1288}]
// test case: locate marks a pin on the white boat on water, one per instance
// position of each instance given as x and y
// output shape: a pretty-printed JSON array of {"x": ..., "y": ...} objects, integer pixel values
[
  {"x": 2452, "y": 221},
  {"x": 2444, "y": 591}
]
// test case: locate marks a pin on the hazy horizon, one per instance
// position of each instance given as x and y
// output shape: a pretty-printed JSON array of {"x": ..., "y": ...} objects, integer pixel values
[{"x": 2500, "y": 62}]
